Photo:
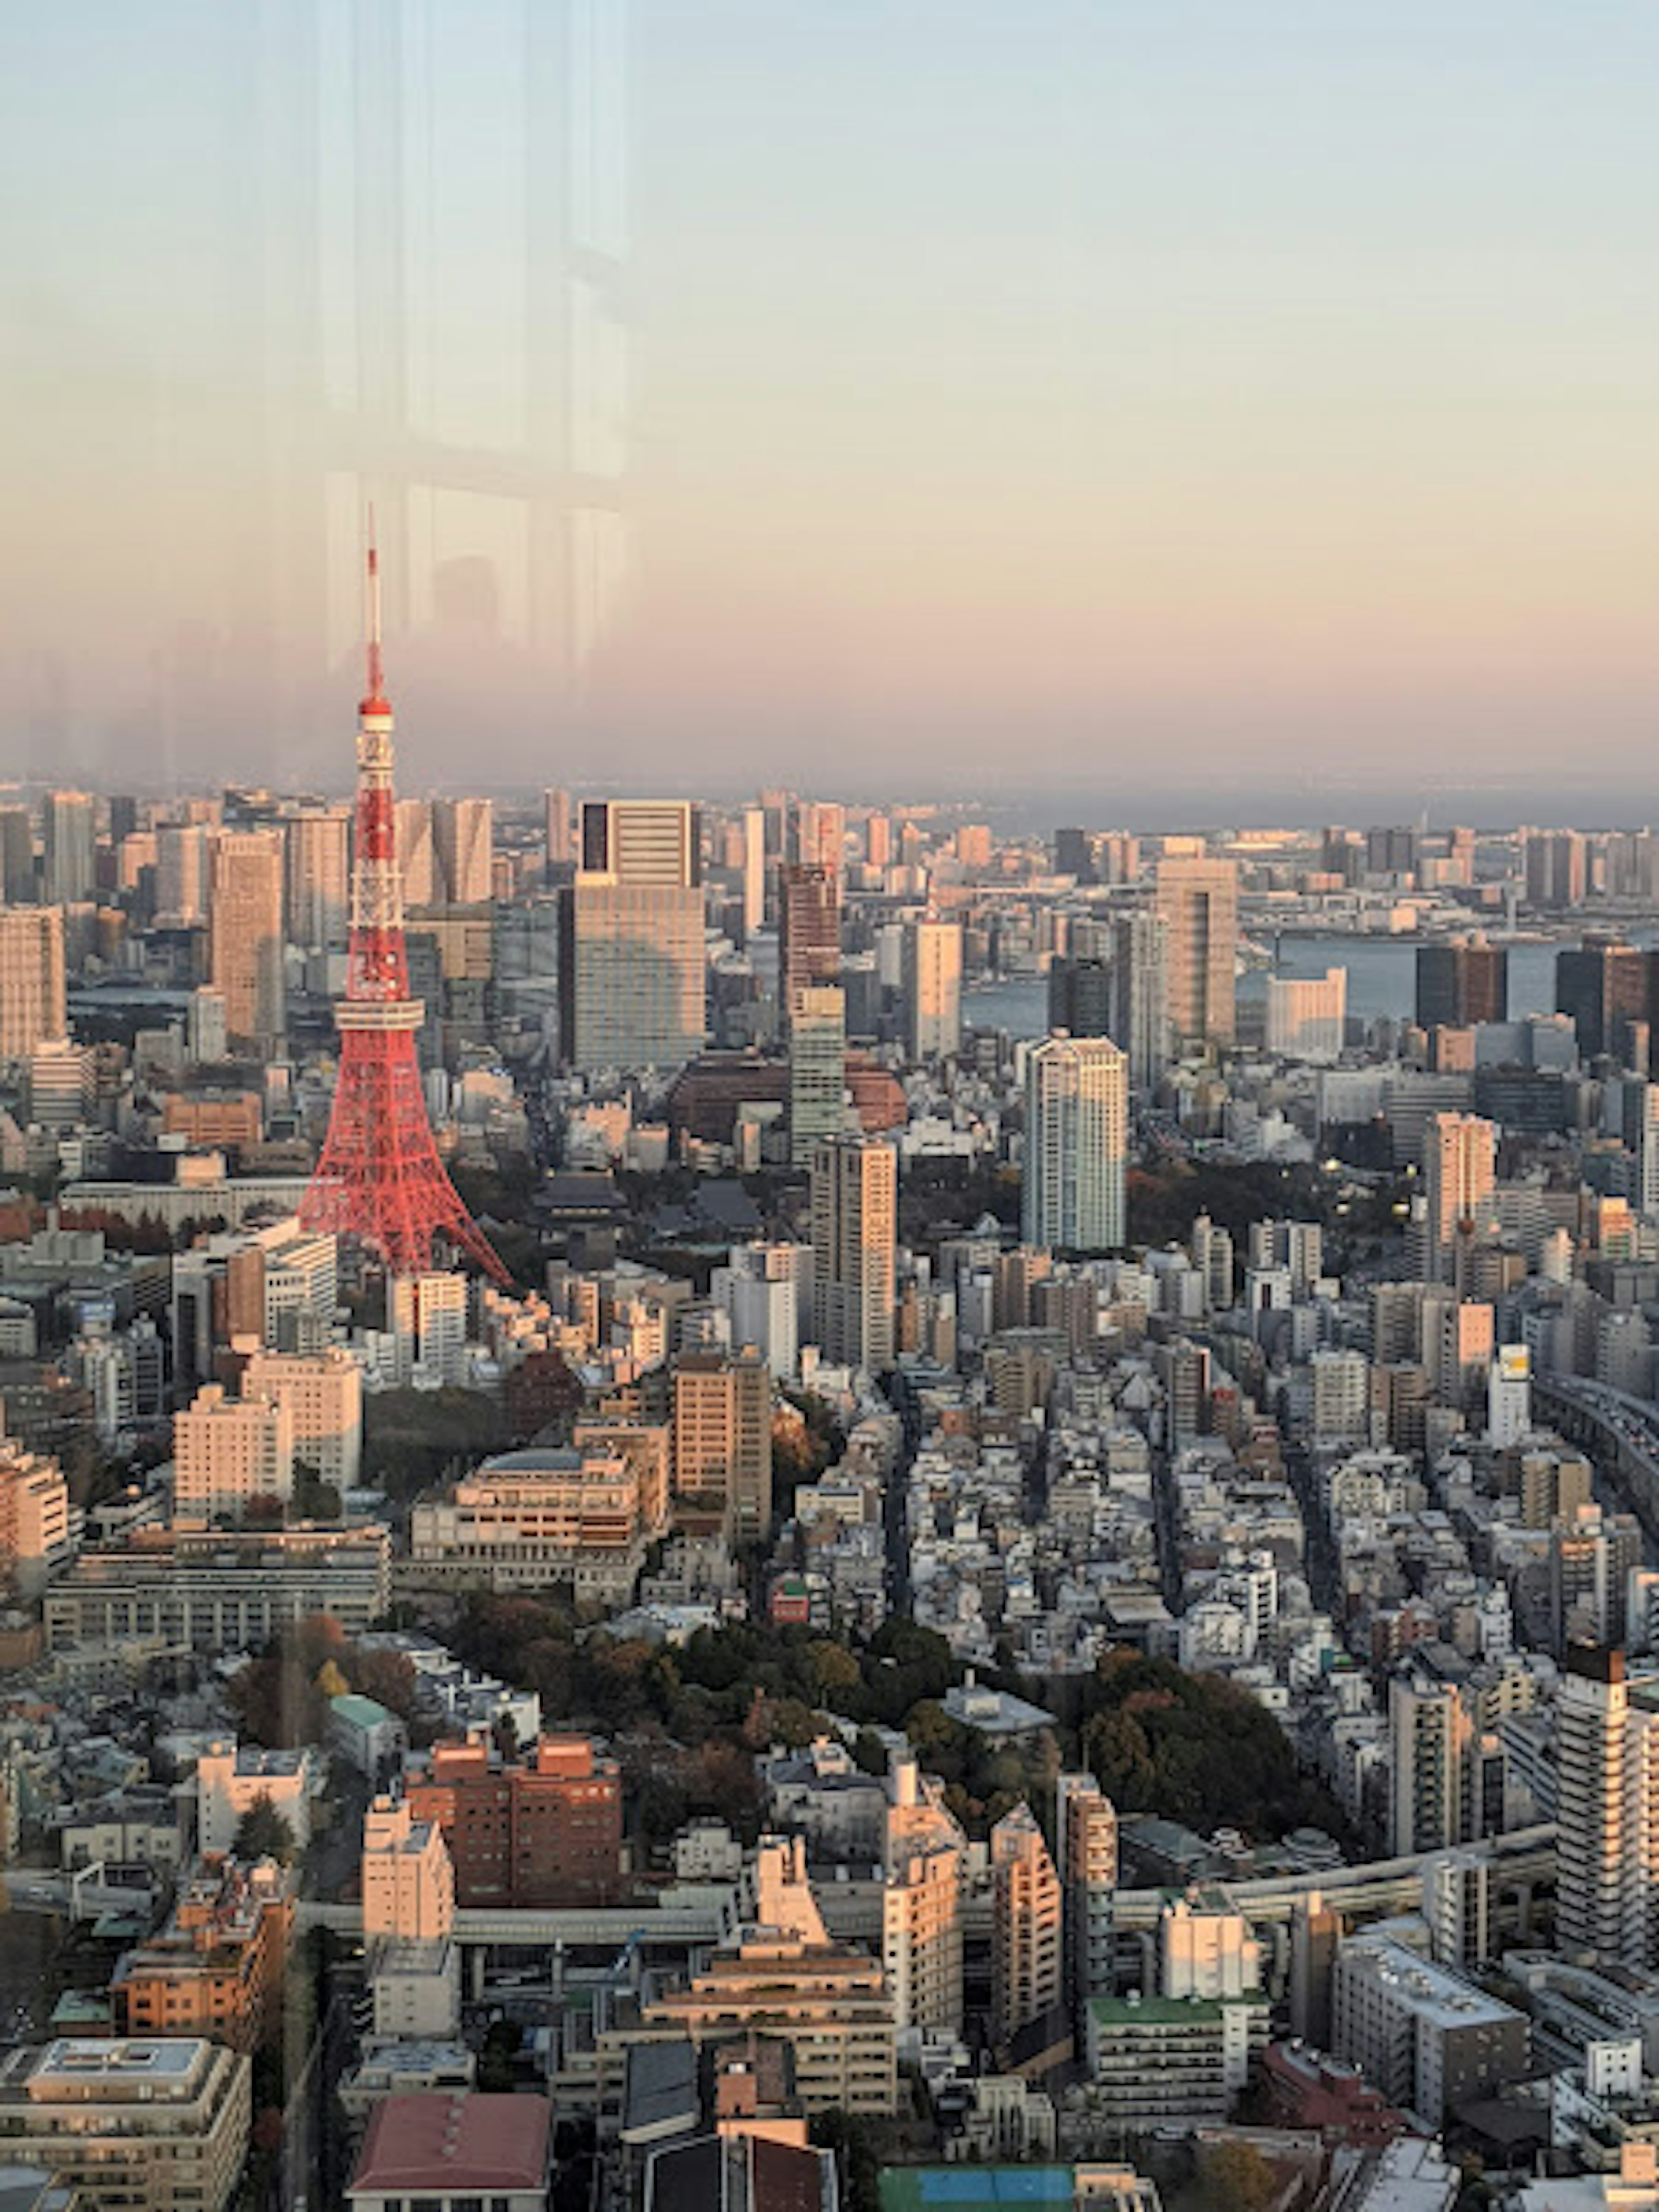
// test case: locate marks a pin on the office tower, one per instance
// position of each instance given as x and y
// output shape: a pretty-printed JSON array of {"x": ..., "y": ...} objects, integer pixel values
[
  {"x": 560, "y": 840},
  {"x": 817, "y": 1068},
  {"x": 1604, "y": 986},
  {"x": 245, "y": 937},
  {"x": 70, "y": 847},
  {"x": 418, "y": 853},
  {"x": 379, "y": 1179},
  {"x": 723, "y": 1439},
  {"x": 878, "y": 841},
  {"x": 931, "y": 968},
  {"x": 754, "y": 870},
  {"x": 1077, "y": 1144},
  {"x": 1198, "y": 899},
  {"x": 820, "y": 833},
  {"x": 1027, "y": 1964},
  {"x": 854, "y": 1241},
  {"x": 1430, "y": 1736},
  {"x": 319, "y": 878},
  {"x": 1138, "y": 1008},
  {"x": 1460, "y": 982},
  {"x": 1306, "y": 1015},
  {"x": 1606, "y": 1904},
  {"x": 181, "y": 872},
  {"x": 123, "y": 816},
  {"x": 922, "y": 1852},
  {"x": 1074, "y": 854},
  {"x": 18, "y": 884},
  {"x": 33, "y": 1002},
  {"x": 1085, "y": 1845},
  {"x": 809, "y": 929},
  {"x": 1459, "y": 1156},
  {"x": 631, "y": 946},
  {"x": 1391, "y": 852},
  {"x": 464, "y": 844},
  {"x": 1080, "y": 995},
  {"x": 1556, "y": 863}
]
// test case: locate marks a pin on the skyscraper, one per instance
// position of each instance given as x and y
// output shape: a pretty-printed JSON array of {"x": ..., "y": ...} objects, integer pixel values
[
  {"x": 245, "y": 927},
  {"x": 754, "y": 870},
  {"x": 1139, "y": 1020},
  {"x": 32, "y": 995},
  {"x": 921, "y": 1903},
  {"x": 561, "y": 842},
  {"x": 181, "y": 872},
  {"x": 71, "y": 847},
  {"x": 18, "y": 884},
  {"x": 1460, "y": 1152},
  {"x": 464, "y": 842},
  {"x": 855, "y": 1239},
  {"x": 319, "y": 878},
  {"x": 1604, "y": 985},
  {"x": 817, "y": 1068},
  {"x": 1197, "y": 898},
  {"x": 631, "y": 942},
  {"x": 933, "y": 990},
  {"x": 722, "y": 1439},
  {"x": 1077, "y": 1123},
  {"x": 1027, "y": 1977},
  {"x": 1607, "y": 1899},
  {"x": 1462, "y": 981},
  {"x": 417, "y": 855},
  {"x": 1080, "y": 995},
  {"x": 1085, "y": 1838},
  {"x": 1556, "y": 864},
  {"x": 820, "y": 833},
  {"x": 809, "y": 929}
]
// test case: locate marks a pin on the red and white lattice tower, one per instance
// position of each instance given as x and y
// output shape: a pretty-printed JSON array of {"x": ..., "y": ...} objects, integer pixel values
[{"x": 379, "y": 1179}]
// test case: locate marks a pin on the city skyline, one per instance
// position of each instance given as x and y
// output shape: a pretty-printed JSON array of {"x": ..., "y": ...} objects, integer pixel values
[{"x": 1261, "y": 391}]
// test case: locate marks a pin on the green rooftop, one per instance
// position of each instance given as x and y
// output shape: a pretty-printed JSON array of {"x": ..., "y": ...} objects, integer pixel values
[
  {"x": 1118, "y": 2012},
  {"x": 362, "y": 1712}
]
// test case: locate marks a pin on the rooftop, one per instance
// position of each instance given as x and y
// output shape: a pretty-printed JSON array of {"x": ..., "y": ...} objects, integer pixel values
[
  {"x": 974, "y": 2188},
  {"x": 437, "y": 2142}
]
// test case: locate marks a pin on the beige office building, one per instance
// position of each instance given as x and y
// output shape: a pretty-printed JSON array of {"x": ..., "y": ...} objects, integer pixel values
[
  {"x": 32, "y": 1006},
  {"x": 245, "y": 934},
  {"x": 1198, "y": 901}
]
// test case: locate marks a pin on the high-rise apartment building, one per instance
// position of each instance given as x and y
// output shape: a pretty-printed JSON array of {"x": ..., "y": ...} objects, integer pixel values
[
  {"x": 1027, "y": 1948},
  {"x": 631, "y": 947},
  {"x": 817, "y": 1068},
  {"x": 228, "y": 1450},
  {"x": 323, "y": 1393},
  {"x": 245, "y": 944},
  {"x": 1085, "y": 1839},
  {"x": 1430, "y": 1735},
  {"x": 1198, "y": 900},
  {"x": 319, "y": 878},
  {"x": 854, "y": 1251},
  {"x": 820, "y": 833},
  {"x": 71, "y": 847},
  {"x": 35, "y": 1529},
  {"x": 761, "y": 1287},
  {"x": 1460, "y": 1164},
  {"x": 922, "y": 1854},
  {"x": 1077, "y": 1120},
  {"x": 723, "y": 1439},
  {"x": 931, "y": 968},
  {"x": 1607, "y": 1843},
  {"x": 150, "y": 2124},
  {"x": 32, "y": 1003},
  {"x": 427, "y": 1317},
  {"x": 1460, "y": 982},
  {"x": 464, "y": 844}
]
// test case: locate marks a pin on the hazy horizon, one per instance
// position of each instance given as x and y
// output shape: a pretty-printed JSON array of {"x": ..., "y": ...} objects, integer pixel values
[{"x": 1164, "y": 406}]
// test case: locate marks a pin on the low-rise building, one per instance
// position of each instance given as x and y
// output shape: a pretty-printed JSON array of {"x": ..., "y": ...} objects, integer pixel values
[
  {"x": 447, "y": 2151},
  {"x": 215, "y": 1969},
  {"x": 1424, "y": 2036}
]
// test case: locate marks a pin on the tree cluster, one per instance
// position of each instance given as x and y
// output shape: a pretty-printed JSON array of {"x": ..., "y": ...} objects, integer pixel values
[{"x": 280, "y": 1698}]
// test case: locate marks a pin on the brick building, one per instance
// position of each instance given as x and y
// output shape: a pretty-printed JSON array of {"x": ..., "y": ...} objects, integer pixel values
[{"x": 547, "y": 1833}]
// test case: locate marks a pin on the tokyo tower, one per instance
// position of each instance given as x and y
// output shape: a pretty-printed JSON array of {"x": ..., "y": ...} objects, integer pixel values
[{"x": 379, "y": 1179}]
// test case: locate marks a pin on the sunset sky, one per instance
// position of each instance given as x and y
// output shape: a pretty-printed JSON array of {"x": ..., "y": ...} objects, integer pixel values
[{"x": 1085, "y": 396}]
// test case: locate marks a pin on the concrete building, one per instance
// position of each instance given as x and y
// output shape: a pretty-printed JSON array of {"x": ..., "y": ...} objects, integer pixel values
[
  {"x": 817, "y": 1068},
  {"x": 546, "y": 1830},
  {"x": 1076, "y": 1140},
  {"x": 1306, "y": 1015},
  {"x": 761, "y": 1287},
  {"x": 631, "y": 952},
  {"x": 151, "y": 2125},
  {"x": 245, "y": 937},
  {"x": 215, "y": 1968},
  {"x": 322, "y": 1393},
  {"x": 536, "y": 1519},
  {"x": 1606, "y": 1753},
  {"x": 1460, "y": 1170},
  {"x": 1137, "y": 1017},
  {"x": 317, "y": 878},
  {"x": 451, "y": 2150},
  {"x": 70, "y": 847},
  {"x": 855, "y": 1205},
  {"x": 232, "y": 1778},
  {"x": 407, "y": 1876},
  {"x": 922, "y": 1926},
  {"x": 1198, "y": 900},
  {"x": 1429, "y": 2040},
  {"x": 33, "y": 1004},
  {"x": 218, "y": 1590},
  {"x": 1085, "y": 1860},
  {"x": 36, "y": 1528},
  {"x": 427, "y": 1316},
  {"x": 464, "y": 848},
  {"x": 228, "y": 1451},
  {"x": 1027, "y": 1936},
  {"x": 932, "y": 986},
  {"x": 723, "y": 1439}
]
